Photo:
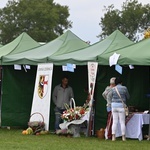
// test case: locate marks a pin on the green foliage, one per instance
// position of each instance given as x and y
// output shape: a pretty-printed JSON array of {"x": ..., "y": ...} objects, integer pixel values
[
  {"x": 43, "y": 20},
  {"x": 132, "y": 19}
]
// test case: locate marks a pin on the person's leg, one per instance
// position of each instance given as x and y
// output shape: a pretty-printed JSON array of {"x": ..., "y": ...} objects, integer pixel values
[
  {"x": 109, "y": 125},
  {"x": 57, "y": 120},
  {"x": 115, "y": 122},
  {"x": 122, "y": 122}
]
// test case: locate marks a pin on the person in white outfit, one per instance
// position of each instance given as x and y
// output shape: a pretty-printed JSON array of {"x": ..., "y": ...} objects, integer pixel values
[{"x": 118, "y": 111}]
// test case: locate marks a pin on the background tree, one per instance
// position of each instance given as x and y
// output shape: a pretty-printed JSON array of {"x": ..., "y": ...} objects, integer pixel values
[
  {"x": 131, "y": 20},
  {"x": 43, "y": 20}
]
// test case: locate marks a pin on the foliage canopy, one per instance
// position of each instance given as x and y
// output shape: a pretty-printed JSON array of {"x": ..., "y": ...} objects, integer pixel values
[
  {"x": 43, "y": 20},
  {"x": 132, "y": 20}
]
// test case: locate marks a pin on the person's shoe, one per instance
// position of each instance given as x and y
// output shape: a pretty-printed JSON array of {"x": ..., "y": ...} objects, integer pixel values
[
  {"x": 123, "y": 138},
  {"x": 113, "y": 137}
]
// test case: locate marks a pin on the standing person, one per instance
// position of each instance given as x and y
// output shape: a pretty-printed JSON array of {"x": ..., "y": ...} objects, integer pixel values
[
  {"x": 108, "y": 134},
  {"x": 118, "y": 111},
  {"x": 61, "y": 95}
]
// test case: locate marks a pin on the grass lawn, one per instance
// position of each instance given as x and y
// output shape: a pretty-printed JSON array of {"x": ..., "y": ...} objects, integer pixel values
[{"x": 14, "y": 140}]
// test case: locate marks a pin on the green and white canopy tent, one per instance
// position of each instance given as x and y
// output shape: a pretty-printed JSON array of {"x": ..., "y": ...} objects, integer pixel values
[
  {"x": 135, "y": 54},
  {"x": 18, "y": 85},
  {"x": 68, "y": 48},
  {"x": 22, "y": 43},
  {"x": 66, "y": 43},
  {"x": 23, "y": 82},
  {"x": 82, "y": 56},
  {"x": 138, "y": 79}
]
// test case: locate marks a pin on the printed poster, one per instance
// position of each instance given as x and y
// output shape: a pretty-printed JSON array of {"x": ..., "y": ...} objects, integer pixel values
[{"x": 42, "y": 94}]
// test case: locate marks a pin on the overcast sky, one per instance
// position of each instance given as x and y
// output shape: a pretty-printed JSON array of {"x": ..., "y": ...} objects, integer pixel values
[{"x": 86, "y": 14}]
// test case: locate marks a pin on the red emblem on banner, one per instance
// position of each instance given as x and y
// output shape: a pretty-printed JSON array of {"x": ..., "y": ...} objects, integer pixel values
[{"x": 43, "y": 85}]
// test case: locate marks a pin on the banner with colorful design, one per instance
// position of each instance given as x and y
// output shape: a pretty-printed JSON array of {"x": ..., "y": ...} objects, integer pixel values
[{"x": 42, "y": 94}]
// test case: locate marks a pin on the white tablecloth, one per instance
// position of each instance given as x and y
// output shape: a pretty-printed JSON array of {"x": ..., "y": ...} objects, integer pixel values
[{"x": 134, "y": 126}]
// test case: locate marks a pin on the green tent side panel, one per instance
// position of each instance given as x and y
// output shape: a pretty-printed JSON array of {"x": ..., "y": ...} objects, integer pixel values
[
  {"x": 17, "y": 94},
  {"x": 137, "y": 82},
  {"x": 18, "y": 88}
]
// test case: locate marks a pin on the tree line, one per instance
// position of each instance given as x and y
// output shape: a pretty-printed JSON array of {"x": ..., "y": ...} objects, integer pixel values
[{"x": 44, "y": 20}]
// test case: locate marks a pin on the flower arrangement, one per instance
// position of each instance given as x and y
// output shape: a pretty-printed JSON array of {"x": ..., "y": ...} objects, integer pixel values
[{"x": 74, "y": 113}]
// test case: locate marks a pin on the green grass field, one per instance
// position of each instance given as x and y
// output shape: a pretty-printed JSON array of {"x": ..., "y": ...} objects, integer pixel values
[{"x": 14, "y": 140}]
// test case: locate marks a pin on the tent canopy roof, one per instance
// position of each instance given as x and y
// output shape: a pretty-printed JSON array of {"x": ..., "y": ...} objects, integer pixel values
[
  {"x": 114, "y": 41},
  {"x": 66, "y": 43},
  {"x": 22, "y": 43},
  {"x": 135, "y": 54}
]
